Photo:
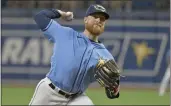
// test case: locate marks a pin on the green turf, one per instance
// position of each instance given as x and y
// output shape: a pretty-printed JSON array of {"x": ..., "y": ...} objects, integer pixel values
[
  {"x": 22, "y": 96},
  {"x": 130, "y": 97}
]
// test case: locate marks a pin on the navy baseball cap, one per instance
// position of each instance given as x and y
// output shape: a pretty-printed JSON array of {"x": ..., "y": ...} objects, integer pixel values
[{"x": 95, "y": 8}]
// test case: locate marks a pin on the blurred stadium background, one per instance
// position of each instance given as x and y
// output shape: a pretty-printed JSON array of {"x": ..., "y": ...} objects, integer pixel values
[{"x": 138, "y": 36}]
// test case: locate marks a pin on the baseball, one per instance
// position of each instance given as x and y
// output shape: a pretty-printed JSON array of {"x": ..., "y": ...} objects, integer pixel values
[{"x": 69, "y": 15}]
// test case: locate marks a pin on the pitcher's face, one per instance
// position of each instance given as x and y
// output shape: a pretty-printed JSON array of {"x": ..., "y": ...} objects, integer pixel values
[{"x": 95, "y": 23}]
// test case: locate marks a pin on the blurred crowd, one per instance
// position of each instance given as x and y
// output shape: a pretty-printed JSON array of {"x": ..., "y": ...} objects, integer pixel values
[{"x": 127, "y": 5}]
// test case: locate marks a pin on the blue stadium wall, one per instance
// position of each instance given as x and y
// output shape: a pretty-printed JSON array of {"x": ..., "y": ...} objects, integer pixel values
[{"x": 139, "y": 47}]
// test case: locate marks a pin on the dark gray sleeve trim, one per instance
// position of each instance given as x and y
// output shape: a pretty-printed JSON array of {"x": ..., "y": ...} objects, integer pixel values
[{"x": 43, "y": 18}]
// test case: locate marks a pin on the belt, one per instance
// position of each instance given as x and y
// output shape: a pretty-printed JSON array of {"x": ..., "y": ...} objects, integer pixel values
[{"x": 66, "y": 95}]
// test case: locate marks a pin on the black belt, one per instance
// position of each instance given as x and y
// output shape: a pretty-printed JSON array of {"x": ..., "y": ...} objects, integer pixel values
[{"x": 62, "y": 92}]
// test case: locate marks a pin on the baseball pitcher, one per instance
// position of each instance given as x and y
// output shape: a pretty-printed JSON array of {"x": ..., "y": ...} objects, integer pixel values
[{"x": 78, "y": 59}]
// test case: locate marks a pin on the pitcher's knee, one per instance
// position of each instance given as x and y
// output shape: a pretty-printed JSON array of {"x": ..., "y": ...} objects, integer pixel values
[{"x": 89, "y": 102}]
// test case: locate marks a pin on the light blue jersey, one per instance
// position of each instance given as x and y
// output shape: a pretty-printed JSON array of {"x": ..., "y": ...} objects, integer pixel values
[{"x": 74, "y": 58}]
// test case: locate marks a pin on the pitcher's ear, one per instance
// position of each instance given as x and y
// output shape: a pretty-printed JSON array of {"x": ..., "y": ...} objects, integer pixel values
[{"x": 85, "y": 19}]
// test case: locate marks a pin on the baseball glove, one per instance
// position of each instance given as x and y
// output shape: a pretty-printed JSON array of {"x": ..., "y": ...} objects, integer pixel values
[{"x": 108, "y": 75}]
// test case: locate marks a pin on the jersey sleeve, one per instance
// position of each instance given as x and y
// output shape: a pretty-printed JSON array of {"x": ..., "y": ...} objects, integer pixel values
[
  {"x": 51, "y": 28},
  {"x": 56, "y": 32}
]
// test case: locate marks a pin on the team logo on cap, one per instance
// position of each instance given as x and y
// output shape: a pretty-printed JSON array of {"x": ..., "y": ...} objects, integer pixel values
[{"x": 99, "y": 7}]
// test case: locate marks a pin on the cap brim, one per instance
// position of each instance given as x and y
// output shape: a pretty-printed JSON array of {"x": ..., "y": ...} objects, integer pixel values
[{"x": 105, "y": 14}]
